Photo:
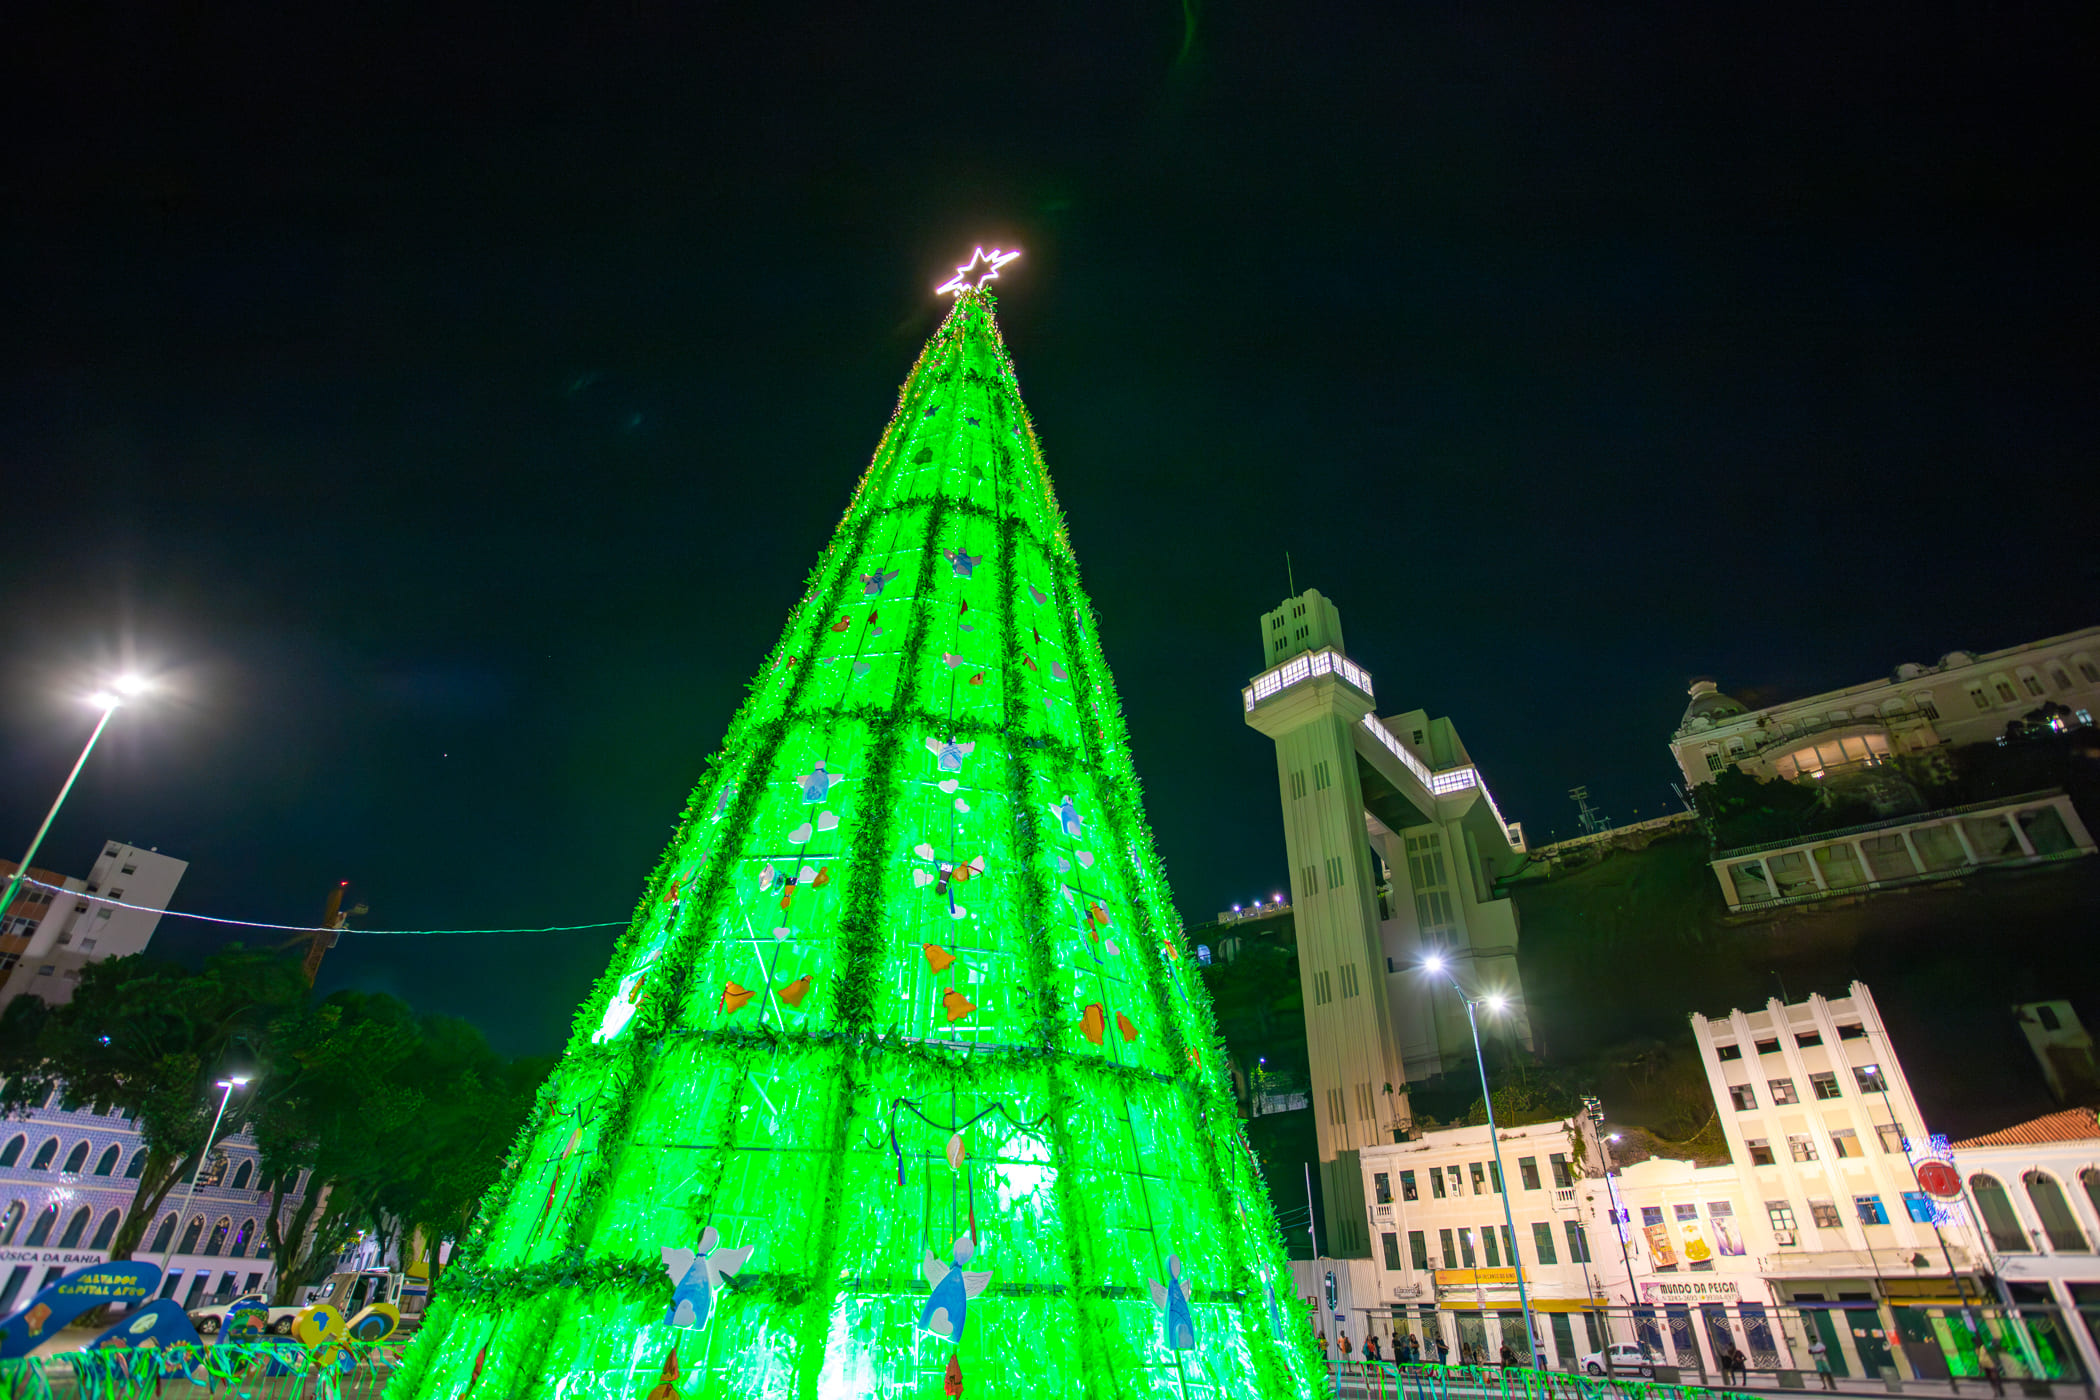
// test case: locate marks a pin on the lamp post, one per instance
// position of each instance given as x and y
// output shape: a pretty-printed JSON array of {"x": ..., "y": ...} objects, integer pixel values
[
  {"x": 226, "y": 1088},
  {"x": 1434, "y": 966},
  {"x": 1618, "y": 1230},
  {"x": 121, "y": 689},
  {"x": 1961, "y": 1289}
]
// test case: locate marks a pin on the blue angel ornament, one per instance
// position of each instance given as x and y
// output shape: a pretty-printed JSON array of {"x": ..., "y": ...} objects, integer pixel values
[
  {"x": 948, "y": 1309},
  {"x": 698, "y": 1275},
  {"x": 1172, "y": 1300}
]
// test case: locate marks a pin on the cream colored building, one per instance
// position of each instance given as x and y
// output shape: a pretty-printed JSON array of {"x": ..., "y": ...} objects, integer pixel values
[
  {"x": 1395, "y": 845},
  {"x": 52, "y": 934},
  {"x": 1967, "y": 698},
  {"x": 1823, "y": 1129},
  {"x": 1447, "y": 1260}
]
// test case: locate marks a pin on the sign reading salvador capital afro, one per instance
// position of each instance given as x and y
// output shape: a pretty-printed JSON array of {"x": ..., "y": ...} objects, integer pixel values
[{"x": 55, "y": 1306}]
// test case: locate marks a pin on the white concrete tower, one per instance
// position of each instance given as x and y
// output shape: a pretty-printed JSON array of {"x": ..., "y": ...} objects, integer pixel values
[{"x": 1353, "y": 785}]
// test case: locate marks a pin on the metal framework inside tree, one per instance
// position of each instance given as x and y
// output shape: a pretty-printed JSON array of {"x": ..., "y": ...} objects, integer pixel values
[{"x": 906, "y": 991}]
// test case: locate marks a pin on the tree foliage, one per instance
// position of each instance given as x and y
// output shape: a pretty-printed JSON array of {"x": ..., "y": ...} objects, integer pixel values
[
  {"x": 148, "y": 1038},
  {"x": 396, "y": 1121}
]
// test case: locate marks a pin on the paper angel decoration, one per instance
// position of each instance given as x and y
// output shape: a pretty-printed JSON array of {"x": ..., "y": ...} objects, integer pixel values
[
  {"x": 948, "y": 1309},
  {"x": 697, "y": 1275},
  {"x": 1172, "y": 1300}
]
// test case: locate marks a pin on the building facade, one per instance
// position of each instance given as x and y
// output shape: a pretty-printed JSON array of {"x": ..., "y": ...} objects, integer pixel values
[
  {"x": 49, "y": 934},
  {"x": 1395, "y": 845},
  {"x": 1967, "y": 698},
  {"x": 1447, "y": 1259},
  {"x": 2035, "y": 1189}
]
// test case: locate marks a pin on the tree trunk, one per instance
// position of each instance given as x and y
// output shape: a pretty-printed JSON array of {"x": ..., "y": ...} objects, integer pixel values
[
  {"x": 161, "y": 1173},
  {"x": 315, "y": 1227}
]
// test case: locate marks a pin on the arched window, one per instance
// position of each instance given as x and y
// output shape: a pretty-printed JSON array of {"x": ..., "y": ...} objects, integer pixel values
[
  {"x": 76, "y": 1227},
  {"x": 138, "y": 1164},
  {"x": 12, "y": 1153},
  {"x": 107, "y": 1230},
  {"x": 10, "y": 1222},
  {"x": 44, "y": 1156},
  {"x": 2090, "y": 1180},
  {"x": 191, "y": 1235},
  {"x": 77, "y": 1158},
  {"x": 165, "y": 1233},
  {"x": 41, "y": 1231},
  {"x": 242, "y": 1240},
  {"x": 106, "y": 1164},
  {"x": 2055, "y": 1213},
  {"x": 1998, "y": 1219},
  {"x": 219, "y": 1231},
  {"x": 241, "y": 1174}
]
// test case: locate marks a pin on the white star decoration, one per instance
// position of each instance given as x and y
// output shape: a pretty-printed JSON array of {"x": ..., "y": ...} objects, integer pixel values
[{"x": 980, "y": 269}]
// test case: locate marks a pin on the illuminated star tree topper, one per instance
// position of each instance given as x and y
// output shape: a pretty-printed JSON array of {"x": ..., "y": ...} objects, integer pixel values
[{"x": 982, "y": 267}]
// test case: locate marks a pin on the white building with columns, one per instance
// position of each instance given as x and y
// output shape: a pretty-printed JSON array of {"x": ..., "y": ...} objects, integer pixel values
[
  {"x": 1965, "y": 698},
  {"x": 2036, "y": 1188},
  {"x": 1395, "y": 845}
]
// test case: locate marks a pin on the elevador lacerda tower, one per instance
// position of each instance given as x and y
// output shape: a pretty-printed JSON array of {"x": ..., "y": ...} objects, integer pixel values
[{"x": 900, "y": 1082}]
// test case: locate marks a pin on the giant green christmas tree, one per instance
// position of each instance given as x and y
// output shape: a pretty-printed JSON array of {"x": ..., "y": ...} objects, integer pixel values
[{"x": 901, "y": 1060}]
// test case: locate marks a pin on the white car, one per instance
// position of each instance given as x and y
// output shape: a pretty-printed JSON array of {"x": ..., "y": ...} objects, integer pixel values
[
  {"x": 208, "y": 1321},
  {"x": 1627, "y": 1359}
]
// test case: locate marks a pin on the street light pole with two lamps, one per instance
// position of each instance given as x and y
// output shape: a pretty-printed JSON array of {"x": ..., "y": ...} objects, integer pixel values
[
  {"x": 226, "y": 1087},
  {"x": 123, "y": 688},
  {"x": 1434, "y": 966}
]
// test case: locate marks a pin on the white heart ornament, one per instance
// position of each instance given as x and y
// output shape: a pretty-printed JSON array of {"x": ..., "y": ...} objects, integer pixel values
[{"x": 801, "y": 833}]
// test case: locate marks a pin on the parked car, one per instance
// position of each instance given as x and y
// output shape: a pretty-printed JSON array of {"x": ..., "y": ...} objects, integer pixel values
[
  {"x": 1627, "y": 1359},
  {"x": 209, "y": 1320}
]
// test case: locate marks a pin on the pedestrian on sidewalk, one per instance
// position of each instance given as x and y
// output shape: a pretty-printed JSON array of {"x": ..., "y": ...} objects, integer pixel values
[{"x": 1821, "y": 1354}]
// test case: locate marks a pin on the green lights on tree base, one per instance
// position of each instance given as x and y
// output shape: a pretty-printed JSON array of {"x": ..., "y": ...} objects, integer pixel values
[{"x": 902, "y": 1014}]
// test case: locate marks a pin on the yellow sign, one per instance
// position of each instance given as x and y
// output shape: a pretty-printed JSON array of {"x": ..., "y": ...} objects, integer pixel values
[{"x": 1476, "y": 1278}]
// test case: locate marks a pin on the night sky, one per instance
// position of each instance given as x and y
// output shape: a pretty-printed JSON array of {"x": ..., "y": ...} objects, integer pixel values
[{"x": 450, "y": 403}]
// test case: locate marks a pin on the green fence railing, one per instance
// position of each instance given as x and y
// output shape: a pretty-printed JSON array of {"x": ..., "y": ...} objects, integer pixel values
[{"x": 260, "y": 1370}]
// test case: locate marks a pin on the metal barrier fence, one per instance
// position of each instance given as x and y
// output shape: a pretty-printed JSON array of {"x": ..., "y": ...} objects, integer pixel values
[
  {"x": 268, "y": 1370},
  {"x": 1781, "y": 1344},
  {"x": 1383, "y": 1380}
]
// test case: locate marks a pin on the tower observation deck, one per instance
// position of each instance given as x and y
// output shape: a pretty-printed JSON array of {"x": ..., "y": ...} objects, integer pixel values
[{"x": 1395, "y": 845}]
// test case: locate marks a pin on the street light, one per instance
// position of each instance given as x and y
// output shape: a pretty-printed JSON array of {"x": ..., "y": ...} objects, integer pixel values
[
  {"x": 1881, "y": 1086},
  {"x": 108, "y": 700},
  {"x": 1495, "y": 1001},
  {"x": 226, "y": 1087}
]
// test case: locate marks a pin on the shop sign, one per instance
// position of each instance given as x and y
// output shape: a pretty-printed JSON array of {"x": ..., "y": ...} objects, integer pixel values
[
  {"x": 1476, "y": 1278},
  {"x": 74, "y": 1257},
  {"x": 1704, "y": 1290}
]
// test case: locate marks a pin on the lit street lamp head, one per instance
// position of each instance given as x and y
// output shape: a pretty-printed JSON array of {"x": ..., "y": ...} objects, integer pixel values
[
  {"x": 1433, "y": 963},
  {"x": 131, "y": 683},
  {"x": 105, "y": 699},
  {"x": 1496, "y": 1001}
]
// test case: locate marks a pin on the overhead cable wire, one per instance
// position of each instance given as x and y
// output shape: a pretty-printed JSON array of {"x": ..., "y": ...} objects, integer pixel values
[{"x": 311, "y": 928}]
